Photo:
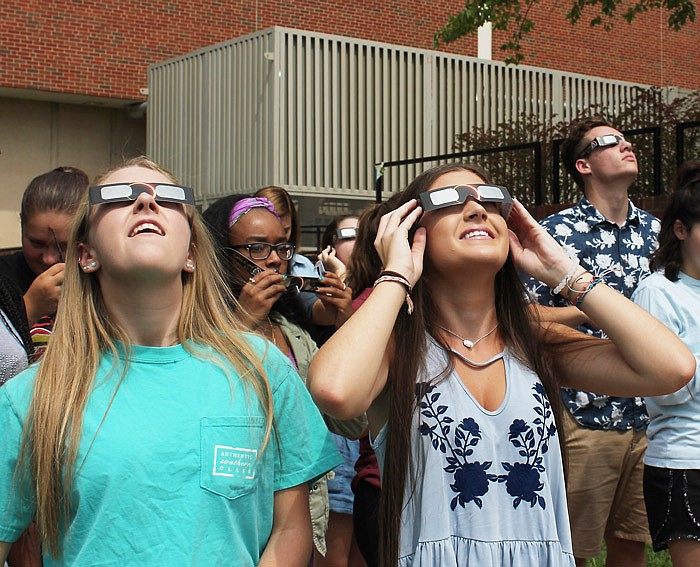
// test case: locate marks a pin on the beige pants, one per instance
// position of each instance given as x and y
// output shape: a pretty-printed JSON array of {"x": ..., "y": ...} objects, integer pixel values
[{"x": 604, "y": 486}]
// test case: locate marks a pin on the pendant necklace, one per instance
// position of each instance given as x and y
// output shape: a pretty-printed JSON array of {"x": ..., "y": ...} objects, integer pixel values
[
  {"x": 477, "y": 364},
  {"x": 466, "y": 342}
]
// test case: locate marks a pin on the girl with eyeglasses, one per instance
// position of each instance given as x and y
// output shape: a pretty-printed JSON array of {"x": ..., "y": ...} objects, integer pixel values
[
  {"x": 460, "y": 382},
  {"x": 256, "y": 253},
  {"x": 672, "y": 459},
  {"x": 156, "y": 430},
  {"x": 321, "y": 314}
]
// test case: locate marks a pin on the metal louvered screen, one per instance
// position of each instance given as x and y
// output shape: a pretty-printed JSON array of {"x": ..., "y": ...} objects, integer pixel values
[{"x": 314, "y": 112}]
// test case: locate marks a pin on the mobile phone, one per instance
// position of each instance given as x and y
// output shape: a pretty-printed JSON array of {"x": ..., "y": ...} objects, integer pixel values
[
  {"x": 248, "y": 265},
  {"x": 300, "y": 283}
]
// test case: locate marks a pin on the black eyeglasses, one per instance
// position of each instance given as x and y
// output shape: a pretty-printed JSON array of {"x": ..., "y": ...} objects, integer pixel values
[
  {"x": 115, "y": 192},
  {"x": 605, "y": 141},
  {"x": 262, "y": 250}
]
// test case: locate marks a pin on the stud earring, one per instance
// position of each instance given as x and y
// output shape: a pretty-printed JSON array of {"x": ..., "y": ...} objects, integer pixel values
[
  {"x": 189, "y": 265},
  {"x": 90, "y": 265}
]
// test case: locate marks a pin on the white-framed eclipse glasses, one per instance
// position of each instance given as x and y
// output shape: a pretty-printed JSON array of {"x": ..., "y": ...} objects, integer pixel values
[
  {"x": 347, "y": 233},
  {"x": 458, "y": 195},
  {"x": 115, "y": 192},
  {"x": 602, "y": 142}
]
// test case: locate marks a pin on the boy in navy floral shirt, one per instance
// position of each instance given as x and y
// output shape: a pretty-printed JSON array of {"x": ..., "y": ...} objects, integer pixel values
[{"x": 605, "y": 436}]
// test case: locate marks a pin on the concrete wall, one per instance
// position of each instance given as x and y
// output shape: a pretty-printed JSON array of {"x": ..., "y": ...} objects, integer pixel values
[{"x": 36, "y": 136}]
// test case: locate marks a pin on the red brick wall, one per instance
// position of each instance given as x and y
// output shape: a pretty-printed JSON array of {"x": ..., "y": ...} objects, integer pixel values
[
  {"x": 104, "y": 48},
  {"x": 645, "y": 51}
]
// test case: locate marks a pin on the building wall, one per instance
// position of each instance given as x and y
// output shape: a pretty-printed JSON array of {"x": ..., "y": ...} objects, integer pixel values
[
  {"x": 103, "y": 48},
  {"x": 63, "y": 51},
  {"x": 37, "y": 136},
  {"x": 645, "y": 51}
]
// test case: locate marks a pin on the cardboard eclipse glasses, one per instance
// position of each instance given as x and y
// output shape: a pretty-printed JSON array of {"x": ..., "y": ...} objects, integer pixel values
[
  {"x": 458, "y": 195},
  {"x": 601, "y": 142},
  {"x": 347, "y": 233},
  {"x": 162, "y": 192}
]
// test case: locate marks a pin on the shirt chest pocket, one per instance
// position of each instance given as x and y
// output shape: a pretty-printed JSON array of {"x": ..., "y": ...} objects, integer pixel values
[{"x": 230, "y": 447}]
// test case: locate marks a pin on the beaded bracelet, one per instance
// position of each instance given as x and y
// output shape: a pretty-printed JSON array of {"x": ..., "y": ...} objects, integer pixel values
[
  {"x": 582, "y": 293},
  {"x": 562, "y": 284},
  {"x": 389, "y": 276}
]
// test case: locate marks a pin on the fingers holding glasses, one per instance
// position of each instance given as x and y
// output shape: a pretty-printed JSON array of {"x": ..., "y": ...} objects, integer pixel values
[
  {"x": 534, "y": 250},
  {"x": 402, "y": 217},
  {"x": 392, "y": 241},
  {"x": 333, "y": 286},
  {"x": 331, "y": 262},
  {"x": 336, "y": 295}
]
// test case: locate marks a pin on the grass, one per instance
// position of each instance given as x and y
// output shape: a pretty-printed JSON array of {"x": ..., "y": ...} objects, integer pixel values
[{"x": 662, "y": 559}]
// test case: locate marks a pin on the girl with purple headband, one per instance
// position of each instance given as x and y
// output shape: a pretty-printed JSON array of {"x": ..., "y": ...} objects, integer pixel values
[
  {"x": 248, "y": 204},
  {"x": 256, "y": 255}
]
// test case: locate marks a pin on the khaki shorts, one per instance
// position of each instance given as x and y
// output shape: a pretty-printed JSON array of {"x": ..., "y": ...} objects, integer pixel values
[{"x": 604, "y": 486}]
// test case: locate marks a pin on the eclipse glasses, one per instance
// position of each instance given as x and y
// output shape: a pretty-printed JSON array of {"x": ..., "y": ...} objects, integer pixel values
[
  {"x": 458, "y": 195},
  {"x": 602, "y": 142},
  {"x": 161, "y": 192},
  {"x": 346, "y": 233}
]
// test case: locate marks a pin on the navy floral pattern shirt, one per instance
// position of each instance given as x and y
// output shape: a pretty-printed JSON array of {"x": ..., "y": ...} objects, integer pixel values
[
  {"x": 489, "y": 482},
  {"x": 623, "y": 253}
]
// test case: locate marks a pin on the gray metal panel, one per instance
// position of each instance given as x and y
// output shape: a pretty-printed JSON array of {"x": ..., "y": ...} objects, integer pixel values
[{"x": 314, "y": 112}]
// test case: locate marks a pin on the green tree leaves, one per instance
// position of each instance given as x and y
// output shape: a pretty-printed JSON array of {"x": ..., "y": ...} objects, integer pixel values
[{"x": 514, "y": 15}]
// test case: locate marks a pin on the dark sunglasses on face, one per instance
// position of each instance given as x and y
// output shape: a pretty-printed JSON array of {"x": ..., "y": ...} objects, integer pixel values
[
  {"x": 345, "y": 233},
  {"x": 602, "y": 142},
  {"x": 162, "y": 192},
  {"x": 458, "y": 195},
  {"x": 262, "y": 250}
]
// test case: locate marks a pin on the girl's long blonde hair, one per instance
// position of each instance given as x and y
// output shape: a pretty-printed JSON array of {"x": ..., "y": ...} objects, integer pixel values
[{"x": 84, "y": 331}]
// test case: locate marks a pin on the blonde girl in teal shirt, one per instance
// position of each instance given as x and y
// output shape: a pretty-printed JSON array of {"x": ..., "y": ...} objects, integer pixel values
[{"x": 155, "y": 431}]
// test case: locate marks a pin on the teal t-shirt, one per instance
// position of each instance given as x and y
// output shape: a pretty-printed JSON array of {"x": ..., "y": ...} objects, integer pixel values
[{"x": 174, "y": 474}]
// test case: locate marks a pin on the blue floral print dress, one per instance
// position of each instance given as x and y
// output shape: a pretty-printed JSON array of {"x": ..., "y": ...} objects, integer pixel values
[{"x": 490, "y": 488}]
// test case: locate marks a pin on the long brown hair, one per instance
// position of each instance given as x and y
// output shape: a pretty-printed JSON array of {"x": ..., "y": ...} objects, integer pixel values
[
  {"x": 84, "y": 330},
  {"x": 364, "y": 264},
  {"x": 522, "y": 334}
]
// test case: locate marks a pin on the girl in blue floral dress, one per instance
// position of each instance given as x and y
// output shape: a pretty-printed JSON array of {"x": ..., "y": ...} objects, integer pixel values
[{"x": 459, "y": 380}]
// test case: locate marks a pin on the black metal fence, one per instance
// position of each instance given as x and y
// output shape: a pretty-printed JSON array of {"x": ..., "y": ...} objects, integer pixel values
[{"x": 522, "y": 166}]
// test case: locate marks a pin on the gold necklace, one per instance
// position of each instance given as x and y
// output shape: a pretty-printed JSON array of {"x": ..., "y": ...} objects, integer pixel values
[{"x": 468, "y": 343}]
